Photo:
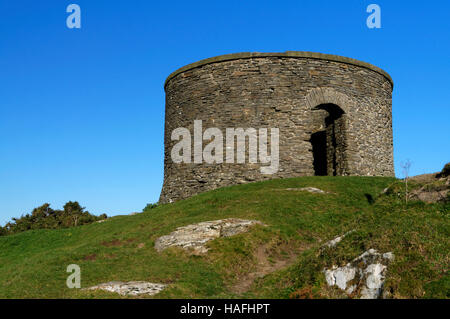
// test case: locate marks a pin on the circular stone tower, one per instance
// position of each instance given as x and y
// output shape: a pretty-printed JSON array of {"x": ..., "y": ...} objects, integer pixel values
[{"x": 333, "y": 116}]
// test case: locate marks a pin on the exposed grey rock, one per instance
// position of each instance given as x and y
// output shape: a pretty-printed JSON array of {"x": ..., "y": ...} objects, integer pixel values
[
  {"x": 434, "y": 187},
  {"x": 374, "y": 281},
  {"x": 307, "y": 189},
  {"x": 195, "y": 236},
  {"x": 337, "y": 240},
  {"x": 431, "y": 194},
  {"x": 366, "y": 272},
  {"x": 132, "y": 288},
  {"x": 340, "y": 276},
  {"x": 389, "y": 256}
]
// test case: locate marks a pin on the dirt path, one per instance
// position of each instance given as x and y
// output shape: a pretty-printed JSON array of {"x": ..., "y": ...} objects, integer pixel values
[{"x": 263, "y": 267}]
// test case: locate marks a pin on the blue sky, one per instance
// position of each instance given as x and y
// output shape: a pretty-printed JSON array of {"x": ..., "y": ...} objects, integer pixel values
[{"x": 82, "y": 110}]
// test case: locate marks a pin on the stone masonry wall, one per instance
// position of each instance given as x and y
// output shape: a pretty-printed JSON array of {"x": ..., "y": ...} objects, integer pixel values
[{"x": 285, "y": 91}]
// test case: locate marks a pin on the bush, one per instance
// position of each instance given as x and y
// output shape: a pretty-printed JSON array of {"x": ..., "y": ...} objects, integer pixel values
[
  {"x": 150, "y": 206},
  {"x": 445, "y": 171},
  {"x": 44, "y": 217}
]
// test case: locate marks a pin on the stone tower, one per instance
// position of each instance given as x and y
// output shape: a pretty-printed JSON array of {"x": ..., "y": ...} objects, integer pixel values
[{"x": 334, "y": 116}]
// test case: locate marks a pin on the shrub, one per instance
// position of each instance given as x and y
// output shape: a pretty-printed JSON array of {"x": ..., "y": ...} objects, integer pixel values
[
  {"x": 150, "y": 206},
  {"x": 445, "y": 171},
  {"x": 44, "y": 217}
]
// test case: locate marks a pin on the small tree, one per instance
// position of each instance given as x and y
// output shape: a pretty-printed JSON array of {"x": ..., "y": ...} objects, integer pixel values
[
  {"x": 43, "y": 217},
  {"x": 445, "y": 171},
  {"x": 150, "y": 206},
  {"x": 406, "y": 166}
]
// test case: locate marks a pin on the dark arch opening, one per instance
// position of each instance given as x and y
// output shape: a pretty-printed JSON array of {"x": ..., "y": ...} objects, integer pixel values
[
  {"x": 328, "y": 144},
  {"x": 319, "y": 149}
]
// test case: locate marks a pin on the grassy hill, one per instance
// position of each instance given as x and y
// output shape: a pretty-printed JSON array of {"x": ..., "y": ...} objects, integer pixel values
[{"x": 281, "y": 260}]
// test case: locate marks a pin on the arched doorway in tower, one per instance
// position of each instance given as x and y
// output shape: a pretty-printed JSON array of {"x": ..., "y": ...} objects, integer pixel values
[{"x": 329, "y": 143}]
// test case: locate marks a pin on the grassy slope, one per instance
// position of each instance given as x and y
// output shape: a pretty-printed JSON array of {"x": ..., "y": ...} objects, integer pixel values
[{"x": 33, "y": 264}]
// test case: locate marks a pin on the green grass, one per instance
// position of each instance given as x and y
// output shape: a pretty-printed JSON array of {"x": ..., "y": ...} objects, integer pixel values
[{"x": 33, "y": 264}]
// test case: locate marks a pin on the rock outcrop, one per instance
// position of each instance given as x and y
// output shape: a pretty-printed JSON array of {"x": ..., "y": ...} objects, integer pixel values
[
  {"x": 308, "y": 189},
  {"x": 194, "y": 237},
  {"x": 432, "y": 188},
  {"x": 337, "y": 240},
  {"x": 364, "y": 276},
  {"x": 132, "y": 288}
]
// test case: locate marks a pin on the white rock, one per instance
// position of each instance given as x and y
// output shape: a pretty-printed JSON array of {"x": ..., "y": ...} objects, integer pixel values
[
  {"x": 375, "y": 276},
  {"x": 340, "y": 276},
  {"x": 337, "y": 240},
  {"x": 369, "y": 269},
  {"x": 132, "y": 288},
  {"x": 329, "y": 276},
  {"x": 350, "y": 289},
  {"x": 344, "y": 275},
  {"x": 389, "y": 256}
]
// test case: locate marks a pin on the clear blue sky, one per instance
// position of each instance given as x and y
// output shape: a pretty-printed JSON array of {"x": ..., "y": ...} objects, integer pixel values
[{"x": 82, "y": 110}]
